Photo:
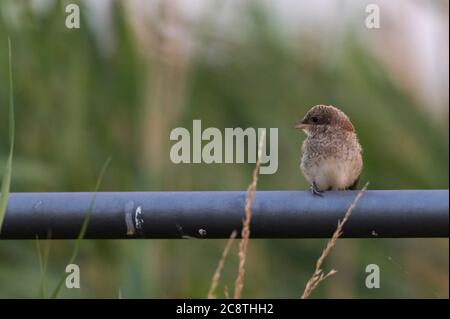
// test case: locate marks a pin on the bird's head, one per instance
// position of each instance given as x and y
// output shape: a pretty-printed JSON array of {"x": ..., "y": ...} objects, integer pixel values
[{"x": 322, "y": 117}]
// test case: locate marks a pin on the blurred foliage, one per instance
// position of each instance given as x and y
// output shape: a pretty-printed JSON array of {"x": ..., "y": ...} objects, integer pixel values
[{"x": 77, "y": 104}]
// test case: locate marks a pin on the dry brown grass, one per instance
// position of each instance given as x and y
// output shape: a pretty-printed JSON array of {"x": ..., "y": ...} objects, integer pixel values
[
  {"x": 216, "y": 278},
  {"x": 245, "y": 234},
  {"x": 243, "y": 245},
  {"x": 318, "y": 275},
  {"x": 226, "y": 293}
]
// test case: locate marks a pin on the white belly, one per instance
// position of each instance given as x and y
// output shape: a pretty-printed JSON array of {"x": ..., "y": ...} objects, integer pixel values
[{"x": 334, "y": 174}]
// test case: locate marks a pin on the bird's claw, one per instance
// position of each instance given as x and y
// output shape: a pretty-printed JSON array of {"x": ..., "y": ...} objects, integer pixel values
[{"x": 315, "y": 190}]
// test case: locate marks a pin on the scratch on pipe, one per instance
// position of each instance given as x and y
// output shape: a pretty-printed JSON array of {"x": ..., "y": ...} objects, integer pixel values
[
  {"x": 182, "y": 233},
  {"x": 138, "y": 220}
]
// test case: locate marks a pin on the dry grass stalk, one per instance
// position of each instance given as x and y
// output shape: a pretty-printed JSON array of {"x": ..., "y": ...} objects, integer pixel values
[
  {"x": 216, "y": 277},
  {"x": 243, "y": 245},
  {"x": 319, "y": 275},
  {"x": 226, "y": 293}
]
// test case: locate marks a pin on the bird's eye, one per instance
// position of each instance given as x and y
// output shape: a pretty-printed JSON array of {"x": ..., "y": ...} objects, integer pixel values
[{"x": 314, "y": 119}]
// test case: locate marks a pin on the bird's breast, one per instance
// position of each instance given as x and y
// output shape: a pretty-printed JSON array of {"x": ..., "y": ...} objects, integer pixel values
[{"x": 331, "y": 164}]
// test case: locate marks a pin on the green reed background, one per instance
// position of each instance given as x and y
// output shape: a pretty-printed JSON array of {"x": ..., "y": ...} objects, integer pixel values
[{"x": 77, "y": 105}]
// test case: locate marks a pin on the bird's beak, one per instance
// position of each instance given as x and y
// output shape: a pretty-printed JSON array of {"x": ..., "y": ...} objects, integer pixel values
[{"x": 301, "y": 125}]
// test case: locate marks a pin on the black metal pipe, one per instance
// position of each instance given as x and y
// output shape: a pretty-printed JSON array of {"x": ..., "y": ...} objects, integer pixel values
[{"x": 275, "y": 214}]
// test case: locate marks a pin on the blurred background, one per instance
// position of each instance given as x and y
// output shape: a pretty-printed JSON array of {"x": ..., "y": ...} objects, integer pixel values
[{"x": 137, "y": 69}]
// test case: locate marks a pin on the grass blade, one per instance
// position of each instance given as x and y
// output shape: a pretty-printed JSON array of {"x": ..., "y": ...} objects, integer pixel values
[
  {"x": 8, "y": 169},
  {"x": 83, "y": 229},
  {"x": 319, "y": 275},
  {"x": 43, "y": 261},
  {"x": 41, "y": 268}
]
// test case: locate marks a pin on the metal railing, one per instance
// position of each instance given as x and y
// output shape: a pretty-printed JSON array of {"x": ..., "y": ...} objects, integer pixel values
[{"x": 275, "y": 214}]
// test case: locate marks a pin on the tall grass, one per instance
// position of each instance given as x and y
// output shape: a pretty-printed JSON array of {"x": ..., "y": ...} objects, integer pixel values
[
  {"x": 245, "y": 235},
  {"x": 318, "y": 275},
  {"x": 243, "y": 245},
  {"x": 216, "y": 278},
  {"x": 6, "y": 182},
  {"x": 43, "y": 261},
  {"x": 82, "y": 230}
]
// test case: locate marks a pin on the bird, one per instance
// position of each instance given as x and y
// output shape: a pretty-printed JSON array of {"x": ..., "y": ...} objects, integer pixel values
[{"x": 331, "y": 153}]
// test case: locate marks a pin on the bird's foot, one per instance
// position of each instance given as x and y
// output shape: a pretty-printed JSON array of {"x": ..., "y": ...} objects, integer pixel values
[{"x": 315, "y": 190}]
